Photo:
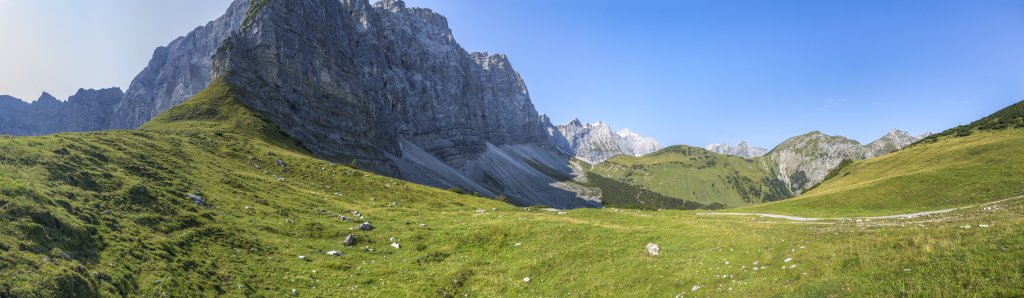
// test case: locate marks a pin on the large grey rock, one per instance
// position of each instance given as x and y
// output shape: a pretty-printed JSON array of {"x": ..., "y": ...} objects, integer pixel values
[
  {"x": 176, "y": 72},
  {"x": 87, "y": 110},
  {"x": 597, "y": 142},
  {"x": 388, "y": 86}
]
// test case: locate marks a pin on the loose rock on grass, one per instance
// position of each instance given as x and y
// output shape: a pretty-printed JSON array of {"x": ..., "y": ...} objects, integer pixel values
[{"x": 653, "y": 250}]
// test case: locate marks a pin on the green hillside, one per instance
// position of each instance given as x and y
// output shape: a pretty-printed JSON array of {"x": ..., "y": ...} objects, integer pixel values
[
  {"x": 109, "y": 214},
  {"x": 698, "y": 175},
  {"x": 957, "y": 168},
  {"x": 1009, "y": 117}
]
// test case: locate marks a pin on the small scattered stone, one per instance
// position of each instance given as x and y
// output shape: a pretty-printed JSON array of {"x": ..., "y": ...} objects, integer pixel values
[
  {"x": 281, "y": 163},
  {"x": 983, "y": 226},
  {"x": 199, "y": 200},
  {"x": 366, "y": 226},
  {"x": 518, "y": 244},
  {"x": 395, "y": 245},
  {"x": 344, "y": 218},
  {"x": 302, "y": 257},
  {"x": 295, "y": 292},
  {"x": 350, "y": 240},
  {"x": 526, "y": 279},
  {"x": 249, "y": 208},
  {"x": 695, "y": 288},
  {"x": 423, "y": 225},
  {"x": 333, "y": 253},
  {"x": 787, "y": 260},
  {"x": 653, "y": 249}
]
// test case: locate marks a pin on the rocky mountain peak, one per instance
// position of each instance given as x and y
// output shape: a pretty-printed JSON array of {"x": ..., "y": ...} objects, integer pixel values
[
  {"x": 626, "y": 132},
  {"x": 805, "y": 160},
  {"x": 46, "y": 98},
  {"x": 87, "y": 110},
  {"x": 390, "y": 5},
  {"x": 596, "y": 142},
  {"x": 575, "y": 122},
  {"x": 742, "y": 149}
]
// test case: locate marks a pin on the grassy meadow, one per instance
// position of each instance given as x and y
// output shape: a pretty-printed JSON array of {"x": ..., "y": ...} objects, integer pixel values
[{"x": 109, "y": 214}]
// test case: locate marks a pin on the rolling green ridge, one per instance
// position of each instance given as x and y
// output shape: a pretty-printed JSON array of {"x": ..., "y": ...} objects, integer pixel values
[
  {"x": 1009, "y": 117},
  {"x": 698, "y": 175},
  {"x": 956, "y": 168},
  {"x": 108, "y": 214}
]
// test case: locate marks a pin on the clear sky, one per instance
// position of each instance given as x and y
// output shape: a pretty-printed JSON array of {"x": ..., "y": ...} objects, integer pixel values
[
  {"x": 59, "y": 46},
  {"x": 685, "y": 72}
]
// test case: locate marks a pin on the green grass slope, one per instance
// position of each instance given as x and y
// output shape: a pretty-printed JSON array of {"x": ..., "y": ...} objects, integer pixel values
[
  {"x": 106, "y": 214},
  {"x": 697, "y": 175},
  {"x": 971, "y": 164}
]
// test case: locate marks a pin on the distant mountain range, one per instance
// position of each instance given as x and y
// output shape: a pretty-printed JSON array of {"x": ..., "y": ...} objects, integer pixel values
[
  {"x": 596, "y": 142},
  {"x": 87, "y": 110},
  {"x": 743, "y": 149},
  {"x": 730, "y": 176}
]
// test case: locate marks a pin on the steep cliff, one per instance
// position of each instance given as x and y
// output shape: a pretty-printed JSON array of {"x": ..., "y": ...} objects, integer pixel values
[
  {"x": 389, "y": 87},
  {"x": 176, "y": 72}
]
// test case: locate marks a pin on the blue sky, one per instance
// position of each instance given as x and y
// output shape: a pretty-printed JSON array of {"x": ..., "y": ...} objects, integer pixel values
[
  {"x": 62, "y": 45},
  {"x": 685, "y": 72}
]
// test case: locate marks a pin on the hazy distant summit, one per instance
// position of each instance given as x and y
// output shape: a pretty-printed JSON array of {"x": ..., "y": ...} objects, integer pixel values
[
  {"x": 743, "y": 149},
  {"x": 596, "y": 142}
]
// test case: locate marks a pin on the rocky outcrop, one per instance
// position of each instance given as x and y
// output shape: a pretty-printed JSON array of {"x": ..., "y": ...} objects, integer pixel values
[
  {"x": 743, "y": 149},
  {"x": 634, "y": 144},
  {"x": 597, "y": 142},
  {"x": 87, "y": 110},
  {"x": 387, "y": 85},
  {"x": 892, "y": 141},
  {"x": 805, "y": 160},
  {"x": 176, "y": 72}
]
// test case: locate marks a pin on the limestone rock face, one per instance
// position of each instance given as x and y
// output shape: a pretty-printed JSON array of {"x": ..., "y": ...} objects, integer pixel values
[
  {"x": 743, "y": 149},
  {"x": 87, "y": 110},
  {"x": 892, "y": 141},
  {"x": 389, "y": 86},
  {"x": 805, "y": 160},
  {"x": 596, "y": 142},
  {"x": 176, "y": 72}
]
